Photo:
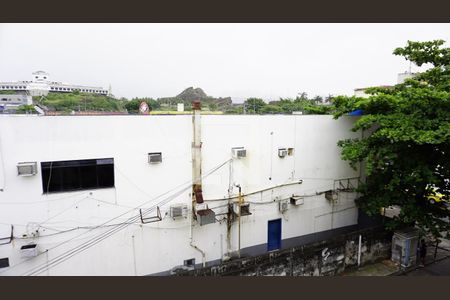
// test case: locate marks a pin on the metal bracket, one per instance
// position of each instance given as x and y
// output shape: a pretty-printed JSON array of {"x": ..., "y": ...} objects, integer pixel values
[{"x": 153, "y": 219}]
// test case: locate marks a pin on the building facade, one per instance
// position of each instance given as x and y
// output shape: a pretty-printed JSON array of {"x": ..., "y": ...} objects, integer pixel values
[
  {"x": 112, "y": 195},
  {"x": 41, "y": 85},
  {"x": 10, "y": 102}
]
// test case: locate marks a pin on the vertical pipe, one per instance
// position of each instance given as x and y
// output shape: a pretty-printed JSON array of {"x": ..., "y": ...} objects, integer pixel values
[
  {"x": 196, "y": 148},
  {"x": 359, "y": 251},
  {"x": 196, "y": 171},
  {"x": 239, "y": 223}
]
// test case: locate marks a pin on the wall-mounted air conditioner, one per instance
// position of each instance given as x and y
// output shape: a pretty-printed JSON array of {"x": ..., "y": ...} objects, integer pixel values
[
  {"x": 29, "y": 250},
  {"x": 27, "y": 168},
  {"x": 178, "y": 210},
  {"x": 297, "y": 200},
  {"x": 244, "y": 208},
  {"x": 155, "y": 158},
  {"x": 239, "y": 152},
  {"x": 283, "y": 205},
  {"x": 282, "y": 152}
]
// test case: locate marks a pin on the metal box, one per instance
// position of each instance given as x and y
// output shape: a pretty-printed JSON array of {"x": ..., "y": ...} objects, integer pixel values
[
  {"x": 297, "y": 200},
  {"x": 283, "y": 205},
  {"x": 155, "y": 158},
  {"x": 206, "y": 216},
  {"x": 244, "y": 208},
  {"x": 27, "y": 168},
  {"x": 404, "y": 247},
  {"x": 239, "y": 152},
  {"x": 178, "y": 210},
  {"x": 29, "y": 250},
  {"x": 282, "y": 152}
]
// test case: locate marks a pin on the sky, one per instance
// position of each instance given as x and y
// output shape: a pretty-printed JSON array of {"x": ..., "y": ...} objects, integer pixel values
[{"x": 268, "y": 61}]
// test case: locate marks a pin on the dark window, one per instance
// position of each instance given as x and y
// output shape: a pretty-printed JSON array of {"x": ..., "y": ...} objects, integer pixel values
[
  {"x": 73, "y": 175},
  {"x": 4, "y": 262}
]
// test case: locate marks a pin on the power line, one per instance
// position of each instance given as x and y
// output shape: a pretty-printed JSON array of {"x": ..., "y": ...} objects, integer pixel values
[{"x": 86, "y": 245}]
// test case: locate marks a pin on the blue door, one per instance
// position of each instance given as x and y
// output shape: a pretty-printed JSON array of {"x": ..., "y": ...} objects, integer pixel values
[{"x": 274, "y": 235}]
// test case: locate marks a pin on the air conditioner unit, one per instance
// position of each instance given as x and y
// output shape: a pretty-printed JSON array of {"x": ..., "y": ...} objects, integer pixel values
[
  {"x": 27, "y": 168},
  {"x": 178, "y": 210},
  {"x": 297, "y": 200},
  {"x": 239, "y": 152},
  {"x": 206, "y": 216},
  {"x": 283, "y": 205},
  {"x": 155, "y": 158},
  {"x": 282, "y": 152},
  {"x": 29, "y": 250},
  {"x": 244, "y": 208}
]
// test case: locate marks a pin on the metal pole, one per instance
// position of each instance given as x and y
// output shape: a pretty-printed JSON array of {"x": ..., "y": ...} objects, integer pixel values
[
  {"x": 239, "y": 223},
  {"x": 359, "y": 251}
]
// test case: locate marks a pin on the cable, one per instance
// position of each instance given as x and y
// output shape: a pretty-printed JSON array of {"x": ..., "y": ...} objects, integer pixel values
[
  {"x": 96, "y": 240},
  {"x": 68, "y": 254}
]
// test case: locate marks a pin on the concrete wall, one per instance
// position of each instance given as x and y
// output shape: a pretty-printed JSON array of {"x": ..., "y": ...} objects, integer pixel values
[
  {"x": 326, "y": 258},
  {"x": 61, "y": 221}
]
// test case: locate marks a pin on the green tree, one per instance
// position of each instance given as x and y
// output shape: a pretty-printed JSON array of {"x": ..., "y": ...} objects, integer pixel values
[
  {"x": 26, "y": 109},
  {"x": 407, "y": 151},
  {"x": 254, "y": 105},
  {"x": 271, "y": 109}
]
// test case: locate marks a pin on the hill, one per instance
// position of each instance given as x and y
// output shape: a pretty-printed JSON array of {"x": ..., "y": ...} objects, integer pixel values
[
  {"x": 76, "y": 101},
  {"x": 190, "y": 94}
]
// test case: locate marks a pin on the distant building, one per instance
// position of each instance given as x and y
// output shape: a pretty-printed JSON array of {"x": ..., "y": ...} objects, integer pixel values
[
  {"x": 11, "y": 102},
  {"x": 407, "y": 75},
  {"x": 40, "y": 85},
  {"x": 361, "y": 92}
]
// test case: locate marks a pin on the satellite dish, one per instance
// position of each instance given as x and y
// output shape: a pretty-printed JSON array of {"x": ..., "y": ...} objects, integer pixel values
[{"x": 143, "y": 108}]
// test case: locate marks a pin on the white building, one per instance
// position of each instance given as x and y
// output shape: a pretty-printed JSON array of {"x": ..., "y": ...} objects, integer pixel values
[
  {"x": 361, "y": 92},
  {"x": 71, "y": 189},
  {"x": 13, "y": 101},
  {"x": 41, "y": 85}
]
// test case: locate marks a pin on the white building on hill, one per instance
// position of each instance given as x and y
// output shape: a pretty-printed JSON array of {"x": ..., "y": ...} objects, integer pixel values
[{"x": 41, "y": 85}]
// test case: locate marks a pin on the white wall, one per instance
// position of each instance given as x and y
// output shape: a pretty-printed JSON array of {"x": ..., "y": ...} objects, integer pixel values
[{"x": 156, "y": 247}]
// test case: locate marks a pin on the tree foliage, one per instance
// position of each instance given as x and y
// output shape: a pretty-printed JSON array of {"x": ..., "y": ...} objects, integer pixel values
[
  {"x": 132, "y": 106},
  {"x": 80, "y": 102},
  {"x": 406, "y": 148}
]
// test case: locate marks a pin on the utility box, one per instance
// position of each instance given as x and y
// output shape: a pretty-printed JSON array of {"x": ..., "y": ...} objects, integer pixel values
[
  {"x": 206, "y": 216},
  {"x": 29, "y": 250},
  {"x": 296, "y": 200},
  {"x": 283, "y": 205},
  {"x": 404, "y": 247},
  {"x": 155, "y": 158},
  {"x": 239, "y": 152}
]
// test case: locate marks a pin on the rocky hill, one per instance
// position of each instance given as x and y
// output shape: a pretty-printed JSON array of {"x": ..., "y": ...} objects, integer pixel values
[{"x": 190, "y": 94}]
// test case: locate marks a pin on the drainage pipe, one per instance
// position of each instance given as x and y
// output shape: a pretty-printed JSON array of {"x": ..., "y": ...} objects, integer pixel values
[{"x": 191, "y": 243}]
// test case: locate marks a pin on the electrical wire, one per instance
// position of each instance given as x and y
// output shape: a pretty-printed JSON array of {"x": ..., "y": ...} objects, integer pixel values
[{"x": 68, "y": 254}]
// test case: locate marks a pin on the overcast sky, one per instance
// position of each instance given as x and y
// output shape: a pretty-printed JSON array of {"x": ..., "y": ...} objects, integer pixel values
[{"x": 237, "y": 60}]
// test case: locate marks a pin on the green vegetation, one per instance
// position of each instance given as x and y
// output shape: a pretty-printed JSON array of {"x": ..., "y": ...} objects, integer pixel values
[
  {"x": 407, "y": 153},
  {"x": 77, "y": 101},
  {"x": 8, "y": 92},
  {"x": 26, "y": 109},
  {"x": 302, "y": 103},
  {"x": 133, "y": 105}
]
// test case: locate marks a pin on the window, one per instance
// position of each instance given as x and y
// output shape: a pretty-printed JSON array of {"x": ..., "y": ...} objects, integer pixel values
[
  {"x": 4, "y": 262},
  {"x": 74, "y": 175}
]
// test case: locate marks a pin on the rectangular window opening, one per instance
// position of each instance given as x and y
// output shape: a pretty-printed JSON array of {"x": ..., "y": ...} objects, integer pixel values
[
  {"x": 4, "y": 262},
  {"x": 75, "y": 175}
]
